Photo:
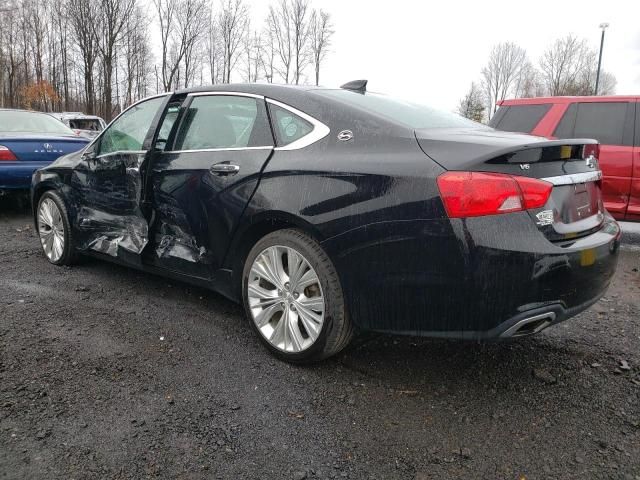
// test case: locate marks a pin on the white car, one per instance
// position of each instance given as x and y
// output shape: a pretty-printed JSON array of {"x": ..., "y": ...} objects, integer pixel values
[{"x": 88, "y": 126}]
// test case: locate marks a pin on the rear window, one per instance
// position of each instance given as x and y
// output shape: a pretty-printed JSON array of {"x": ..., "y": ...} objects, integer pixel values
[
  {"x": 31, "y": 122},
  {"x": 413, "y": 115},
  {"x": 518, "y": 118},
  {"x": 603, "y": 121},
  {"x": 92, "y": 124}
]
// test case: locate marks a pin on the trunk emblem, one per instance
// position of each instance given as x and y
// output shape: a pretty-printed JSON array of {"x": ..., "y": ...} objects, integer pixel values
[
  {"x": 525, "y": 166},
  {"x": 48, "y": 148},
  {"x": 345, "y": 135},
  {"x": 545, "y": 217}
]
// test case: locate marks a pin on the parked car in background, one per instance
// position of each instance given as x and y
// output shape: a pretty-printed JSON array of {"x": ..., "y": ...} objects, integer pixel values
[
  {"x": 84, "y": 125},
  {"x": 614, "y": 121},
  {"x": 323, "y": 210},
  {"x": 29, "y": 141}
]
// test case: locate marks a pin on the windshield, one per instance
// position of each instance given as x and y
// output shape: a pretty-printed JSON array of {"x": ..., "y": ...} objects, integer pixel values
[
  {"x": 411, "y": 114},
  {"x": 31, "y": 122}
]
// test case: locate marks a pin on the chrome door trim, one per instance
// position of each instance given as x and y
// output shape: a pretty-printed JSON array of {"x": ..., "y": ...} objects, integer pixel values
[
  {"x": 574, "y": 178},
  {"x": 234, "y": 94},
  {"x": 229, "y": 149}
]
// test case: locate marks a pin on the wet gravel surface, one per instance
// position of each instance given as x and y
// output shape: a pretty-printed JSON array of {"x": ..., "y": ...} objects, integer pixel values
[{"x": 109, "y": 373}]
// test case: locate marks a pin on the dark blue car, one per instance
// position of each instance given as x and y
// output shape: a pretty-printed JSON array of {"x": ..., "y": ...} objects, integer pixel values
[{"x": 29, "y": 141}]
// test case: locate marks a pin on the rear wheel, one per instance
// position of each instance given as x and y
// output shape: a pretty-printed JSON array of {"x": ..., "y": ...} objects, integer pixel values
[
  {"x": 54, "y": 229},
  {"x": 293, "y": 298}
]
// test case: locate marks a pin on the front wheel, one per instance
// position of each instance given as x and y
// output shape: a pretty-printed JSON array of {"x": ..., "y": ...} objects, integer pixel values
[
  {"x": 293, "y": 298},
  {"x": 54, "y": 229}
]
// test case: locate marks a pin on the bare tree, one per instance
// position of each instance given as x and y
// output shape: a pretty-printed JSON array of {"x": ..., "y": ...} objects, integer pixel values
[
  {"x": 114, "y": 18},
  {"x": 529, "y": 83},
  {"x": 192, "y": 25},
  {"x": 214, "y": 52},
  {"x": 83, "y": 14},
  {"x": 321, "y": 33},
  {"x": 502, "y": 71},
  {"x": 135, "y": 56},
  {"x": 253, "y": 57},
  {"x": 233, "y": 23},
  {"x": 472, "y": 105},
  {"x": 269, "y": 52},
  {"x": 299, "y": 11},
  {"x": 563, "y": 63},
  {"x": 182, "y": 26},
  {"x": 280, "y": 34}
]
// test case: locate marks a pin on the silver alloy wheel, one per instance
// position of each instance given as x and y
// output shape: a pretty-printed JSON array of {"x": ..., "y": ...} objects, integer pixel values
[
  {"x": 51, "y": 229},
  {"x": 286, "y": 299}
]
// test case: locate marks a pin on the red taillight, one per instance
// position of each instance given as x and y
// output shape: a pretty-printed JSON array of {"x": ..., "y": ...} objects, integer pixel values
[
  {"x": 593, "y": 149},
  {"x": 6, "y": 154},
  {"x": 474, "y": 194}
]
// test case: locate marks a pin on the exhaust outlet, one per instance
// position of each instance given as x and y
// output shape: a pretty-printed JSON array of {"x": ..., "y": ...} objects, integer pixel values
[{"x": 530, "y": 325}]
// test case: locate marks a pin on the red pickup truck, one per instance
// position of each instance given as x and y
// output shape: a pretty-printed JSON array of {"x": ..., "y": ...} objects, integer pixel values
[{"x": 614, "y": 121}]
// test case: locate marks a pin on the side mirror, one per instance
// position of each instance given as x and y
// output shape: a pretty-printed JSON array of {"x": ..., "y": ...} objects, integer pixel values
[
  {"x": 161, "y": 144},
  {"x": 89, "y": 153}
]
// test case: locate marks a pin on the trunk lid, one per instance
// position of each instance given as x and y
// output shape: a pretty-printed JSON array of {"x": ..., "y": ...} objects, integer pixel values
[
  {"x": 41, "y": 148},
  {"x": 575, "y": 206}
]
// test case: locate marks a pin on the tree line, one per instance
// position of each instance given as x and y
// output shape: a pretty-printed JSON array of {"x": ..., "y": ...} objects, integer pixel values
[
  {"x": 98, "y": 56},
  {"x": 567, "y": 67}
]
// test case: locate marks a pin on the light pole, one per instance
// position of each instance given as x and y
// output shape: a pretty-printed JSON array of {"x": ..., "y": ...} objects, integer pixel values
[{"x": 603, "y": 27}]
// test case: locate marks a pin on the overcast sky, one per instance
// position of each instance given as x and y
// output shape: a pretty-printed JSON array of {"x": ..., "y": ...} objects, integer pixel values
[{"x": 431, "y": 51}]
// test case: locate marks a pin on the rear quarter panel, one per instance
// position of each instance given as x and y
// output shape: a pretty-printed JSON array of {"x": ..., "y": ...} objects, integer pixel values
[{"x": 370, "y": 202}]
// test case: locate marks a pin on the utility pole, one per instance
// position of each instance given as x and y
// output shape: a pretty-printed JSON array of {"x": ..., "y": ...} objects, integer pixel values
[{"x": 603, "y": 27}]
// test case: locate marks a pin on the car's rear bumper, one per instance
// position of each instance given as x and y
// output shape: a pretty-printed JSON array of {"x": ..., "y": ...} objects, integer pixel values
[
  {"x": 17, "y": 175},
  {"x": 471, "y": 278}
]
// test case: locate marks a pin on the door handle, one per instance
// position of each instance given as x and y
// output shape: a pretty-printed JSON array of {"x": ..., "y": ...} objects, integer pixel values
[{"x": 224, "y": 169}]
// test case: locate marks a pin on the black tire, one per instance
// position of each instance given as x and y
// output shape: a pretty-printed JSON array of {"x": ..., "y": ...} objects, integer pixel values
[
  {"x": 69, "y": 253},
  {"x": 337, "y": 329}
]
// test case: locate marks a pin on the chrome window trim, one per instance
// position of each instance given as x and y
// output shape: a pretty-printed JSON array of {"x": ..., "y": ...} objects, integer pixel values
[
  {"x": 122, "y": 152},
  {"x": 574, "y": 178},
  {"x": 229, "y": 149},
  {"x": 320, "y": 130},
  {"x": 234, "y": 94}
]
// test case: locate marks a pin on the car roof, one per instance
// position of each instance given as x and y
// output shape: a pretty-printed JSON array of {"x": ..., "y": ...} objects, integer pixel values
[
  {"x": 286, "y": 93},
  {"x": 569, "y": 99}
]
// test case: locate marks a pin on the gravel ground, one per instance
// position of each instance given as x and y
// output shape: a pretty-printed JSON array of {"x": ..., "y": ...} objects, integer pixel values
[{"x": 109, "y": 373}]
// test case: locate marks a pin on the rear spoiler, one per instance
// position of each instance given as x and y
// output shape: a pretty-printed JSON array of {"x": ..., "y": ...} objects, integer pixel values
[{"x": 548, "y": 150}]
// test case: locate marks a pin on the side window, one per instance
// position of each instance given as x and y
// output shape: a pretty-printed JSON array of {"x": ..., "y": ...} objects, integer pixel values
[
  {"x": 567, "y": 123},
  {"x": 128, "y": 131},
  {"x": 288, "y": 126},
  {"x": 521, "y": 118},
  {"x": 224, "y": 121},
  {"x": 603, "y": 121}
]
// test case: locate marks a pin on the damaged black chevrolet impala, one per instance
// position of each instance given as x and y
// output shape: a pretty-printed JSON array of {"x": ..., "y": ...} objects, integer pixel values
[{"x": 325, "y": 211}]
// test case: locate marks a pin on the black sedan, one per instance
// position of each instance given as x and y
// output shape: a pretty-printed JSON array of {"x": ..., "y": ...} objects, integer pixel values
[{"x": 329, "y": 210}]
